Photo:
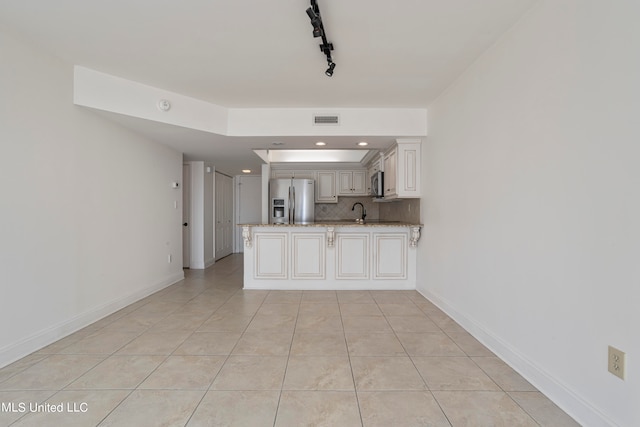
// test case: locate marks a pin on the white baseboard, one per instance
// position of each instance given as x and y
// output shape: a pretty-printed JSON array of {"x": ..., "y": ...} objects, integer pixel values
[
  {"x": 26, "y": 346},
  {"x": 562, "y": 395},
  {"x": 329, "y": 285}
]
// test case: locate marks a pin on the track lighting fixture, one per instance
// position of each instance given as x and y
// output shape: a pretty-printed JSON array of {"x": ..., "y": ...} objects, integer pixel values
[
  {"x": 315, "y": 22},
  {"x": 329, "y": 71},
  {"x": 318, "y": 31}
]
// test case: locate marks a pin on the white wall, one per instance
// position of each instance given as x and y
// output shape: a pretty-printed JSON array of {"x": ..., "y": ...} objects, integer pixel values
[
  {"x": 87, "y": 208},
  {"x": 532, "y": 203},
  {"x": 247, "y": 206},
  {"x": 202, "y": 215}
]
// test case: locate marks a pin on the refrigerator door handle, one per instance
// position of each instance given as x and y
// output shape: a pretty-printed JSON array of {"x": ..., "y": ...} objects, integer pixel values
[
  {"x": 293, "y": 205},
  {"x": 289, "y": 206}
]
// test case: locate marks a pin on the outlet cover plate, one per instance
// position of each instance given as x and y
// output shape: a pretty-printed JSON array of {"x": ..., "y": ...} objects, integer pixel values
[{"x": 616, "y": 362}]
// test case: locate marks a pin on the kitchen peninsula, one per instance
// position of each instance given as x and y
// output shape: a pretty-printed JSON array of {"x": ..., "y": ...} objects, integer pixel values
[{"x": 331, "y": 255}]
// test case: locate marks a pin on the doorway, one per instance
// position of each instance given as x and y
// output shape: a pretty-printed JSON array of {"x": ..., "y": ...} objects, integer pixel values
[{"x": 186, "y": 215}]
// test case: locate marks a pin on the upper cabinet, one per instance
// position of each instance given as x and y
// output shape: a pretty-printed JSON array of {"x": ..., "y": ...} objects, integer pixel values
[
  {"x": 390, "y": 176},
  {"x": 326, "y": 187},
  {"x": 402, "y": 170},
  {"x": 374, "y": 166},
  {"x": 288, "y": 173},
  {"x": 352, "y": 183}
]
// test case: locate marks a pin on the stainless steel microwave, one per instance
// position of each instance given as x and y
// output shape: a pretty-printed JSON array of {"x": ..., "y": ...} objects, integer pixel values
[{"x": 377, "y": 184}]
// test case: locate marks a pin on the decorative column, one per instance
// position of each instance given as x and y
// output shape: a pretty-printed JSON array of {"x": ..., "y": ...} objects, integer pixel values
[
  {"x": 331, "y": 236},
  {"x": 415, "y": 236}
]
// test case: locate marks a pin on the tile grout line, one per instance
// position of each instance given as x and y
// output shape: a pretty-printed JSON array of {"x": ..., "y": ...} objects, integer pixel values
[
  {"x": 221, "y": 366},
  {"x": 353, "y": 377},
  {"x": 428, "y": 388},
  {"x": 286, "y": 366},
  {"x": 227, "y": 356}
]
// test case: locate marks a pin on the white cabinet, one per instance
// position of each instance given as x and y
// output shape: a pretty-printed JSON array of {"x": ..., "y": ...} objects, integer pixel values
[
  {"x": 389, "y": 256},
  {"x": 270, "y": 261},
  {"x": 402, "y": 170},
  {"x": 326, "y": 187},
  {"x": 276, "y": 174},
  {"x": 352, "y": 183},
  {"x": 390, "y": 161},
  {"x": 308, "y": 256},
  {"x": 408, "y": 169},
  {"x": 330, "y": 257},
  {"x": 374, "y": 167},
  {"x": 288, "y": 173},
  {"x": 352, "y": 256}
]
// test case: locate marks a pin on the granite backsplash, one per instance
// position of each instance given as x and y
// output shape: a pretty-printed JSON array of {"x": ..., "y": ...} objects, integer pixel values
[
  {"x": 407, "y": 210},
  {"x": 342, "y": 209}
]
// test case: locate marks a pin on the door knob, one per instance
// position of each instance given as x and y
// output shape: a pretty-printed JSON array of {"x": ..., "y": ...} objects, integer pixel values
[{"x": 185, "y": 224}]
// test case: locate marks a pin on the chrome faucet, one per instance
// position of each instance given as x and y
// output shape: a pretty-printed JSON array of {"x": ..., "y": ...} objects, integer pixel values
[{"x": 364, "y": 211}]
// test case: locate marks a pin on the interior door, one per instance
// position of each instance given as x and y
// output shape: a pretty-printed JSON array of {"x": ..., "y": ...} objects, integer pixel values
[
  {"x": 186, "y": 215},
  {"x": 228, "y": 216},
  {"x": 224, "y": 216}
]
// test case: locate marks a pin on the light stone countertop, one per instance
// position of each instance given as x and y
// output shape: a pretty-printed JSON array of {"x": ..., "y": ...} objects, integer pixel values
[{"x": 340, "y": 223}]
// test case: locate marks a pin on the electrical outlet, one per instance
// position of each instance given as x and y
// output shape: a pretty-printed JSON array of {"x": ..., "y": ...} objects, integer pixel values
[
  {"x": 616, "y": 362},
  {"x": 169, "y": 258}
]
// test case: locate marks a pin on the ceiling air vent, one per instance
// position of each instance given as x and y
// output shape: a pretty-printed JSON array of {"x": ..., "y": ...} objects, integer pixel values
[{"x": 326, "y": 120}]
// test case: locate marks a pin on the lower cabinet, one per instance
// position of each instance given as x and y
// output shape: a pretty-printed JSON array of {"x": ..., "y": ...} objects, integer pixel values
[
  {"x": 329, "y": 258},
  {"x": 308, "y": 256},
  {"x": 270, "y": 261},
  {"x": 390, "y": 256},
  {"x": 352, "y": 256}
]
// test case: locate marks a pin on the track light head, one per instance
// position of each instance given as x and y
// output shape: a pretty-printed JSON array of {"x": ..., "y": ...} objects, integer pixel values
[
  {"x": 316, "y": 22},
  {"x": 329, "y": 71},
  {"x": 312, "y": 15}
]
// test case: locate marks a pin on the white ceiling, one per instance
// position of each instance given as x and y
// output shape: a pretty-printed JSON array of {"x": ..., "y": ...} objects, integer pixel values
[{"x": 255, "y": 53}]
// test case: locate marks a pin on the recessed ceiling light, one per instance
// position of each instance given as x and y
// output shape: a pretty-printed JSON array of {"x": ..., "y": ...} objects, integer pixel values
[
  {"x": 277, "y": 143},
  {"x": 363, "y": 143},
  {"x": 246, "y": 170},
  {"x": 321, "y": 143}
]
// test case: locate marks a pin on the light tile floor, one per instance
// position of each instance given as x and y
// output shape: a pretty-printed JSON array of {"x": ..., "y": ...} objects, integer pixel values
[{"x": 203, "y": 352}]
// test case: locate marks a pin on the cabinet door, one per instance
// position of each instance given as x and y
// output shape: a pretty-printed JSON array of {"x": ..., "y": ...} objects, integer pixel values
[
  {"x": 375, "y": 167},
  {"x": 390, "y": 160},
  {"x": 304, "y": 174},
  {"x": 352, "y": 183},
  {"x": 270, "y": 260},
  {"x": 282, "y": 174},
  {"x": 389, "y": 256},
  {"x": 359, "y": 183},
  {"x": 326, "y": 187},
  {"x": 345, "y": 183},
  {"x": 308, "y": 256},
  {"x": 408, "y": 171},
  {"x": 352, "y": 256}
]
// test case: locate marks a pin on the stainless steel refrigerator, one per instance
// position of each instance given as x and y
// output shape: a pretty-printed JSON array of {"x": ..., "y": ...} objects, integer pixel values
[{"x": 291, "y": 201}]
